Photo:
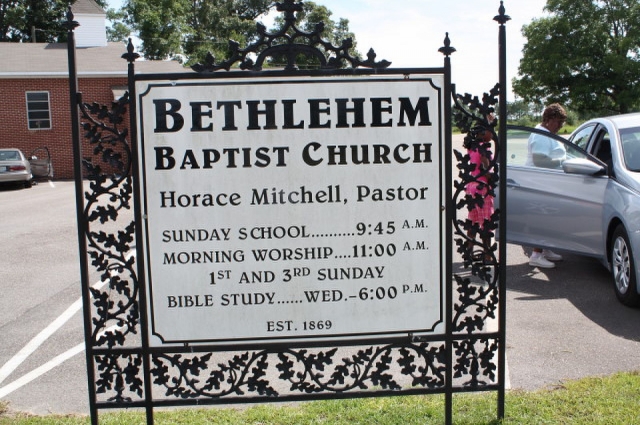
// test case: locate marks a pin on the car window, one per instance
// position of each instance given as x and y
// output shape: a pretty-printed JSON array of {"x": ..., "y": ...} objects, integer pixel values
[
  {"x": 601, "y": 148},
  {"x": 581, "y": 138},
  {"x": 516, "y": 146},
  {"x": 527, "y": 147},
  {"x": 9, "y": 156},
  {"x": 630, "y": 138}
]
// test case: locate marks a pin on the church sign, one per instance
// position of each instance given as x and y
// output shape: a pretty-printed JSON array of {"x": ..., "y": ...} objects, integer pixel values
[
  {"x": 268, "y": 234},
  {"x": 293, "y": 208}
]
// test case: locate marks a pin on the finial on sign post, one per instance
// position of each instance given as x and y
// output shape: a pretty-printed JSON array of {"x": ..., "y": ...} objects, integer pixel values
[
  {"x": 130, "y": 56},
  {"x": 501, "y": 18},
  {"x": 447, "y": 50},
  {"x": 70, "y": 23}
]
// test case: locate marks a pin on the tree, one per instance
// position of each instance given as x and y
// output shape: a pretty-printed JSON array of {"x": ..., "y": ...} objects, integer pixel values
[
  {"x": 118, "y": 30},
  {"x": 585, "y": 54},
  {"x": 34, "y": 20},
  {"x": 190, "y": 28},
  {"x": 519, "y": 112},
  {"x": 41, "y": 21},
  {"x": 10, "y": 20}
]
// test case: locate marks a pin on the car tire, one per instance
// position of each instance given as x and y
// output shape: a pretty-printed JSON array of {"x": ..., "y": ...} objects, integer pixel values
[
  {"x": 623, "y": 268},
  {"x": 28, "y": 183}
]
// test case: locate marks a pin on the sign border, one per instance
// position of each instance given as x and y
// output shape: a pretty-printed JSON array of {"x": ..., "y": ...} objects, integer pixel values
[{"x": 425, "y": 75}]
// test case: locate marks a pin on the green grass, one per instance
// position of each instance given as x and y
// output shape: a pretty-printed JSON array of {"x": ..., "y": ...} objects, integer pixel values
[
  {"x": 608, "y": 400},
  {"x": 567, "y": 130}
]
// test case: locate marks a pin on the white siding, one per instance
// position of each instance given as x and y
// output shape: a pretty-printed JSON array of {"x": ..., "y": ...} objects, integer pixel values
[{"x": 92, "y": 31}]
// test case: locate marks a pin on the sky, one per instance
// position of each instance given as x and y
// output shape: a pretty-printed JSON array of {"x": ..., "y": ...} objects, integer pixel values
[{"x": 408, "y": 33}]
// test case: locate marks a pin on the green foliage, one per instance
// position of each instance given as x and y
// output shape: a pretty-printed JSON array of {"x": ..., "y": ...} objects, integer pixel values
[
  {"x": 11, "y": 20},
  {"x": 518, "y": 109},
  {"x": 585, "y": 55},
  {"x": 188, "y": 29},
  {"x": 22, "y": 20},
  {"x": 606, "y": 400},
  {"x": 119, "y": 30},
  {"x": 159, "y": 24}
]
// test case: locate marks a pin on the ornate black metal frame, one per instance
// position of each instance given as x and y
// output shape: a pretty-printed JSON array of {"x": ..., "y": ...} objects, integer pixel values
[{"x": 123, "y": 371}]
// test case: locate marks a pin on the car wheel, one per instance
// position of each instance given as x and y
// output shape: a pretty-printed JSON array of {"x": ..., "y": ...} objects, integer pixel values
[
  {"x": 623, "y": 268},
  {"x": 28, "y": 183}
]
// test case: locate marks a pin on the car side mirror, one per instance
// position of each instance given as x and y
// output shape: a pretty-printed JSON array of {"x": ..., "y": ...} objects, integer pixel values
[
  {"x": 582, "y": 166},
  {"x": 33, "y": 157}
]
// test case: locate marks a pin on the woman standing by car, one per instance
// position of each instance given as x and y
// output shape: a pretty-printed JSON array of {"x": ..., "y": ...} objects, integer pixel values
[{"x": 545, "y": 152}]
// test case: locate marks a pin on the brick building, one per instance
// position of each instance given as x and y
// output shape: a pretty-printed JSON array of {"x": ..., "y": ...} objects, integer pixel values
[{"x": 34, "y": 82}]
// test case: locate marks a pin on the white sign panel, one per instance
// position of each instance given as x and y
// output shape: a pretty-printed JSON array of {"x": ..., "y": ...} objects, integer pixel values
[{"x": 293, "y": 208}]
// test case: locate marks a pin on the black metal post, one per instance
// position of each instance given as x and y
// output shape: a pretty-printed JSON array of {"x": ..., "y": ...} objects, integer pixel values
[
  {"x": 131, "y": 57},
  {"x": 447, "y": 50},
  {"x": 501, "y": 18},
  {"x": 75, "y": 98}
]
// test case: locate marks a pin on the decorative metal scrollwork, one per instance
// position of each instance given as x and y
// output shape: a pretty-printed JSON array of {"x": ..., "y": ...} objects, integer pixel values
[
  {"x": 476, "y": 363},
  {"x": 474, "y": 191},
  {"x": 110, "y": 195},
  {"x": 286, "y": 372},
  {"x": 297, "y": 42},
  {"x": 119, "y": 376}
]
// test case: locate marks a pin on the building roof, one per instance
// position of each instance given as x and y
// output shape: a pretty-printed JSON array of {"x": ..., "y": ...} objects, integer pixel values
[
  {"x": 88, "y": 7},
  {"x": 50, "y": 60},
  {"x": 95, "y": 57}
]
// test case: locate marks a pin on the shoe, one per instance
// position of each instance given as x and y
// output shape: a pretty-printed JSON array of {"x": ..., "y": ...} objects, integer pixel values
[
  {"x": 551, "y": 256},
  {"x": 538, "y": 260}
]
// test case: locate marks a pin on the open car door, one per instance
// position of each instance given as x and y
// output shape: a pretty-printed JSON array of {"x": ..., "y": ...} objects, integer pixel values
[
  {"x": 559, "y": 206},
  {"x": 41, "y": 165}
]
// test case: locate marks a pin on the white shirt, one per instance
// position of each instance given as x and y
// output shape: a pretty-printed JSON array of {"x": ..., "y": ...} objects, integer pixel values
[{"x": 543, "y": 145}]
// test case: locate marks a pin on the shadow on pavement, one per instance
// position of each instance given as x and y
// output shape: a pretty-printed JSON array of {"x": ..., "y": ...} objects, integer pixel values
[{"x": 585, "y": 283}]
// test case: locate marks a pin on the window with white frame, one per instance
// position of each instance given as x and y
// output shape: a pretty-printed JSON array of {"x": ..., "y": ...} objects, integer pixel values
[{"x": 38, "y": 110}]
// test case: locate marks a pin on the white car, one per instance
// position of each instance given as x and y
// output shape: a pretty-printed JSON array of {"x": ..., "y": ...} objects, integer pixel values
[
  {"x": 14, "y": 167},
  {"x": 590, "y": 205}
]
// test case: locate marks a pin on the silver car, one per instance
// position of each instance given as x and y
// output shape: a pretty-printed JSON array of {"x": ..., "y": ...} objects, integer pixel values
[
  {"x": 14, "y": 167},
  {"x": 590, "y": 205}
]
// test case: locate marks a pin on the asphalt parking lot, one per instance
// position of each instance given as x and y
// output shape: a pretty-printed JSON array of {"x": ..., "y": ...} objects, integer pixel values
[{"x": 563, "y": 323}]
